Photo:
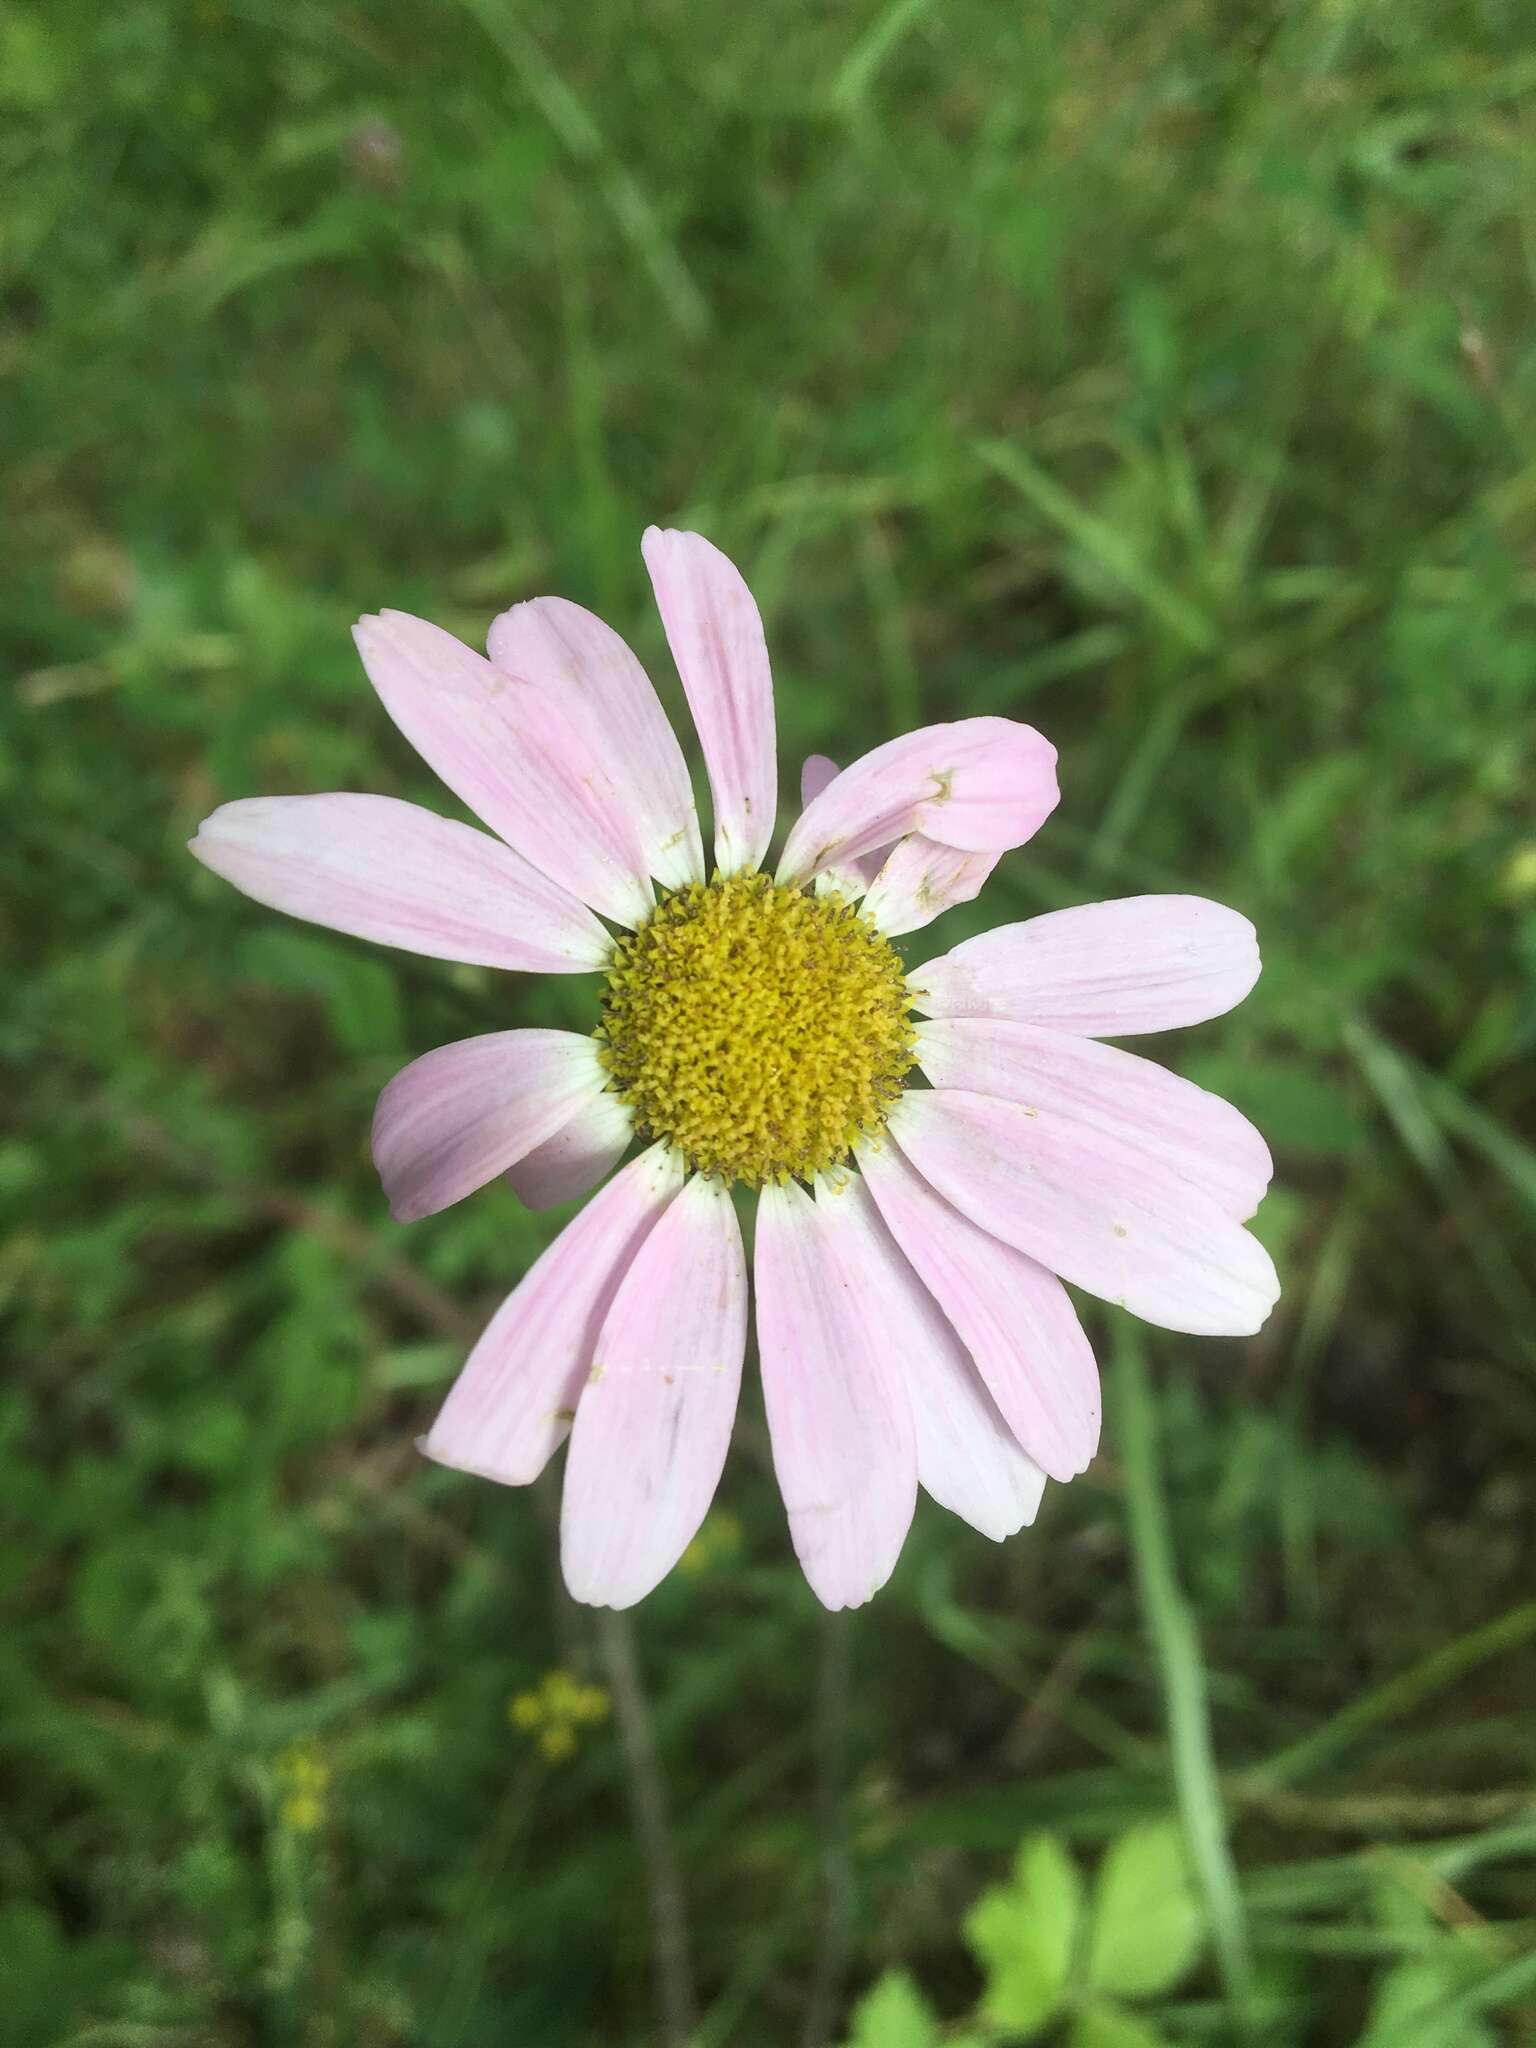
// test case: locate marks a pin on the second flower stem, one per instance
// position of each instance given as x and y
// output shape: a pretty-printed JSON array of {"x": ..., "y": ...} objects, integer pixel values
[{"x": 675, "y": 1999}]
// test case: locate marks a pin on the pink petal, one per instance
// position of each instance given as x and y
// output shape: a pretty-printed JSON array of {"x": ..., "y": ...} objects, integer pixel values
[
  {"x": 1184, "y": 1128},
  {"x": 579, "y": 1155},
  {"x": 455, "y": 1118},
  {"x": 654, "y": 1420},
  {"x": 1092, "y": 1208},
  {"x": 816, "y": 771},
  {"x": 394, "y": 873},
  {"x": 983, "y": 784},
  {"x": 530, "y": 764},
  {"x": 512, "y": 1404},
  {"x": 1104, "y": 970},
  {"x": 921, "y": 879},
  {"x": 851, "y": 881},
  {"x": 560, "y": 647},
  {"x": 838, "y": 1415},
  {"x": 716, "y": 637},
  {"x": 967, "y": 1457},
  {"x": 1011, "y": 1314}
]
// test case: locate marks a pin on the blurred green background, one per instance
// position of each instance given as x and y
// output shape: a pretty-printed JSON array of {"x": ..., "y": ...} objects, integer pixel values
[{"x": 1162, "y": 374}]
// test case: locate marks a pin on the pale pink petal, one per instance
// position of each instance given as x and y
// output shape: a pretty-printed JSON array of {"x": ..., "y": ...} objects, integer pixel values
[
  {"x": 967, "y": 1457},
  {"x": 388, "y": 871},
  {"x": 838, "y": 1414},
  {"x": 1103, "y": 970},
  {"x": 716, "y": 637},
  {"x": 1187, "y": 1129},
  {"x": 559, "y": 646},
  {"x": 816, "y": 771},
  {"x": 654, "y": 1420},
  {"x": 526, "y": 761},
  {"x": 580, "y": 1154},
  {"x": 921, "y": 879},
  {"x": 906, "y": 885},
  {"x": 1011, "y": 1314},
  {"x": 458, "y": 1116},
  {"x": 513, "y": 1403},
  {"x": 851, "y": 881},
  {"x": 982, "y": 784},
  {"x": 1092, "y": 1208}
]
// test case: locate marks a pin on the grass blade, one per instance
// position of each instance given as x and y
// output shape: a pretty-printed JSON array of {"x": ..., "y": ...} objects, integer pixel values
[{"x": 1181, "y": 1669}]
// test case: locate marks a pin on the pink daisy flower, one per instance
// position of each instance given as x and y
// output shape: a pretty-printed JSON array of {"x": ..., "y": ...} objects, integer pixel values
[{"x": 911, "y": 1241}]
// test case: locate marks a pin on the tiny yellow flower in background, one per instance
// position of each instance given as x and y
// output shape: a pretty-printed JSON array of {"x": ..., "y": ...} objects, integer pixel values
[
  {"x": 557, "y": 1743},
  {"x": 717, "y": 1543},
  {"x": 303, "y": 1777},
  {"x": 554, "y": 1710},
  {"x": 525, "y": 1711}
]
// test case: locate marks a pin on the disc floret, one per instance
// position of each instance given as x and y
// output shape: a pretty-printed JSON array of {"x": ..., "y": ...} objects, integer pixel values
[{"x": 761, "y": 1031}]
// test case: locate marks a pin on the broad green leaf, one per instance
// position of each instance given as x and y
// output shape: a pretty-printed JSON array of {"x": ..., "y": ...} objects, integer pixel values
[
  {"x": 1147, "y": 1925},
  {"x": 894, "y": 2014},
  {"x": 1024, "y": 1932},
  {"x": 1107, "y": 2026}
]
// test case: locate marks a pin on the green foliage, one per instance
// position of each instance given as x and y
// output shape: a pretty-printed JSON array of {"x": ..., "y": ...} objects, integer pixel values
[
  {"x": 1416, "y": 2001},
  {"x": 894, "y": 2014},
  {"x": 1147, "y": 1925},
  {"x": 1056, "y": 1965},
  {"x": 1106, "y": 2026},
  {"x": 1046, "y": 1954},
  {"x": 1163, "y": 375},
  {"x": 1024, "y": 1935},
  {"x": 1429, "y": 1998}
]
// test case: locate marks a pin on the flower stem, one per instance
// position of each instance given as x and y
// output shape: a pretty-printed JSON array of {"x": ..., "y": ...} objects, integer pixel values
[
  {"x": 1181, "y": 1668},
  {"x": 675, "y": 2000},
  {"x": 833, "y": 1928}
]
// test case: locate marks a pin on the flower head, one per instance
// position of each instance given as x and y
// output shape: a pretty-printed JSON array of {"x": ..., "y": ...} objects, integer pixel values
[{"x": 763, "y": 1031}]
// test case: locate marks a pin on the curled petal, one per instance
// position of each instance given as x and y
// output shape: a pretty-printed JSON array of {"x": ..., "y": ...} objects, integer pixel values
[
  {"x": 558, "y": 646},
  {"x": 512, "y": 1405},
  {"x": 580, "y": 1154},
  {"x": 982, "y": 785},
  {"x": 851, "y": 881},
  {"x": 654, "y": 1420},
  {"x": 716, "y": 637},
  {"x": 1102, "y": 970},
  {"x": 460, "y": 1115},
  {"x": 394, "y": 873},
  {"x": 525, "y": 761},
  {"x": 921, "y": 879}
]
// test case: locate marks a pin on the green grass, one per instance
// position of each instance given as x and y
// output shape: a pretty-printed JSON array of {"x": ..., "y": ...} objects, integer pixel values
[{"x": 1161, "y": 374}]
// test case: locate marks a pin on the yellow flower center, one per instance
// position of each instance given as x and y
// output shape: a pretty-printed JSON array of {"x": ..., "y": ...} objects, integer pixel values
[{"x": 760, "y": 1031}]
